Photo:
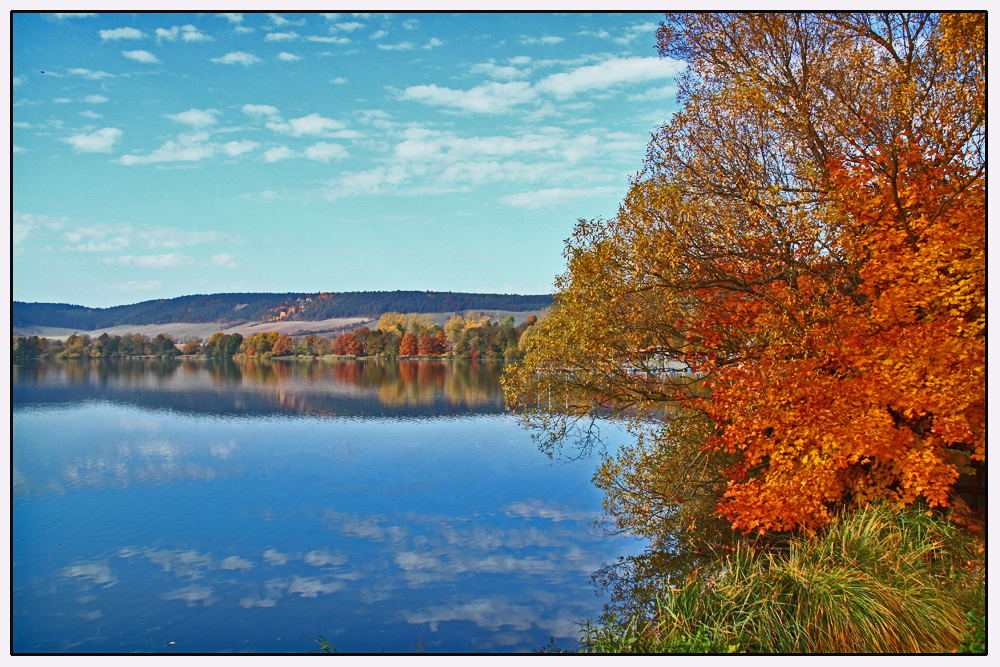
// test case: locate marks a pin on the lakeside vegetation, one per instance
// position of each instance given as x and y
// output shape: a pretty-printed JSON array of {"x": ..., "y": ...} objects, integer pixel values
[
  {"x": 471, "y": 336},
  {"x": 807, "y": 235}
]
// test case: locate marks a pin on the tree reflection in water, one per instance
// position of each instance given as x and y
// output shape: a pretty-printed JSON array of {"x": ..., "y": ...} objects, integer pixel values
[{"x": 315, "y": 387}]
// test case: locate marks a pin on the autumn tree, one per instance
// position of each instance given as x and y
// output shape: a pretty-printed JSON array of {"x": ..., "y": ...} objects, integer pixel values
[
  {"x": 352, "y": 345},
  {"x": 192, "y": 347},
  {"x": 808, "y": 233},
  {"x": 433, "y": 344},
  {"x": 392, "y": 321},
  {"x": 408, "y": 346},
  {"x": 283, "y": 345},
  {"x": 323, "y": 346},
  {"x": 424, "y": 344},
  {"x": 340, "y": 345}
]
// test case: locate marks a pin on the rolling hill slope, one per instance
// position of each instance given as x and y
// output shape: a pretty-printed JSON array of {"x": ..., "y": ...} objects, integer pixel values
[{"x": 266, "y": 307}]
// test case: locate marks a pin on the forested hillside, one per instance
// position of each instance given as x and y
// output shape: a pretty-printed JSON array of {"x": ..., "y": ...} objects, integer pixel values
[{"x": 264, "y": 307}]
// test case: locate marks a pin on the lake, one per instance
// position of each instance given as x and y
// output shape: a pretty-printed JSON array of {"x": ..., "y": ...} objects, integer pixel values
[{"x": 217, "y": 506}]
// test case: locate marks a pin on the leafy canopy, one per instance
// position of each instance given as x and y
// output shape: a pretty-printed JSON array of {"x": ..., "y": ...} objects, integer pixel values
[{"x": 807, "y": 232}]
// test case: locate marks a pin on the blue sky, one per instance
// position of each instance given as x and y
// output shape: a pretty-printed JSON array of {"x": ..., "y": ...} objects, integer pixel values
[{"x": 168, "y": 154}]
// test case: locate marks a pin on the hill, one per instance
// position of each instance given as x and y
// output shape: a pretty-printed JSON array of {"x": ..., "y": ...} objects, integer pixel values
[{"x": 238, "y": 308}]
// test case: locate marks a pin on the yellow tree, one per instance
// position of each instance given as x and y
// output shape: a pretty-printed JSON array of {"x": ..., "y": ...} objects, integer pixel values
[{"x": 807, "y": 232}]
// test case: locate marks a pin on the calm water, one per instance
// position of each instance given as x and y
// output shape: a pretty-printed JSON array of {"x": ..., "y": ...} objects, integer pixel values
[{"x": 248, "y": 507}]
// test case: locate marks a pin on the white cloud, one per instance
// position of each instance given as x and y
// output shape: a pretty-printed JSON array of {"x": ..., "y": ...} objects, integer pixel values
[
  {"x": 411, "y": 24},
  {"x": 169, "y": 35},
  {"x": 556, "y": 197},
  {"x": 189, "y": 33},
  {"x": 23, "y": 224},
  {"x": 90, "y": 114},
  {"x": 235, "y": 148},
  {"x": 664, "y": 93},
  {"x": 243, "y": 29},
  {"x": 281, "y": 20},
  {"x": 497, "y": 72},
  {"x": 98, "y": 141},
  {"x": 609, "y": 73},
  {"x": 325, "y": 152},
  {"x": 188, "y": 148},
  {"x": 97, "y": 231},
  {"x": 18, "y": 80},
  {"x": 288, "y": 57},
  {"x": 311, "y": 125},
  {"x": 378, "y": 34},
  {"x": 61, "y": 16},
  {"x": 233, "y": 17},
  {"x": 370, "y": 182},
  {"x": 62, "y": 100},
  {"x": 431, "y": 44},
  {"x": 168, "y": 261},
  {"x": 279, "y": 153},
  {"x": 339, "y": 80},
  {"x": 14, "y": 148},
  {"x": 402, "y": 46},
  {"x": 121, "y": 33},
  {"x": 118, "y": 243},
  {"x": 237, "y": 58},
  {"x": 258, "y": 110},
  {"x": 95, "y": 99},
  {"x": 489, "y": 98},
  {"x": 347, "y": 27},
  {"x": 196, "y": 118},
  {"x": 281, "y": 36},
  {"x": 541, "y": 40},
  {"x": 23, "y": 126},
  {"x": 171, "y": 237},
  {"x": 634, "y": 31},
  {"x": 228, "y": 262},
  {"x": 134, "y": 286},
  {"x": 329, "y": 40},
  {"x": 141, "y": 56},
  {"x": 87, "y": 74}
]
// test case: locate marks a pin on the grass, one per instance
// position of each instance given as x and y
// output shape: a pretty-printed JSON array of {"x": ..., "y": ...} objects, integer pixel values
[{"x": 878, "y": 580}]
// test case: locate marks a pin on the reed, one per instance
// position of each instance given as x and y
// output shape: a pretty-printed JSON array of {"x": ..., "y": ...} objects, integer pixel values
[{"x": 877, "y": 580}]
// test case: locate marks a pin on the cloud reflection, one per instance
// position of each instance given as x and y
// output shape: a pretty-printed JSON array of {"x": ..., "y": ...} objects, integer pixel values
[
  {"x": 235, "y": 563},
  {"x": 192, "y": 594},
  {"x": 97, "y": 573}
]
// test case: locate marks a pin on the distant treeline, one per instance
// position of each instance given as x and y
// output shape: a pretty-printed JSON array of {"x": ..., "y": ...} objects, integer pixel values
[
  {"x": 266, "y": 307},
  {"x": 397, "y": 335}
]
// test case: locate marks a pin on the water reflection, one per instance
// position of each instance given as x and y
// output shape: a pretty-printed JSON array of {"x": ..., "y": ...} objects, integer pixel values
[
  {"x": 219, "y": 527},
  {"x": 422, "y": 388}
]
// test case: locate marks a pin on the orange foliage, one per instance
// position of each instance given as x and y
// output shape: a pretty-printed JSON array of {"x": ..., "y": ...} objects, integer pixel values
[
  {"x": 408, "y": 346},
  {"x": 283, "y": 345},
  {"x": 809, "y": 232}
]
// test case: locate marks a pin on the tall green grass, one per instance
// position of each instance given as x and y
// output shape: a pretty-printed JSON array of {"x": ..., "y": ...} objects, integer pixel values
[{"x": 879, "y": 579}]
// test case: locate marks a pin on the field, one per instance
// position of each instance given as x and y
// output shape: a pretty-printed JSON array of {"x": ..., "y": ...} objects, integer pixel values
[
  {"x": 203, "y": 330},
  {"x": 183, "y": 331}
]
